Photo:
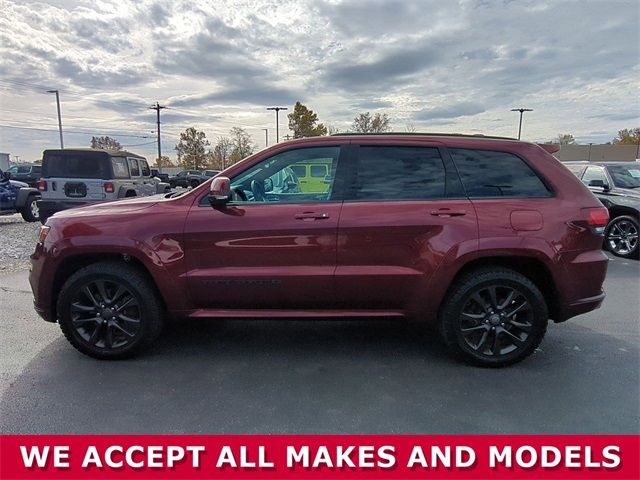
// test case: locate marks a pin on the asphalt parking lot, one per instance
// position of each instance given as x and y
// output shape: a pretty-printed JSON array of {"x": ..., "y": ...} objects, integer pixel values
[{"x": 321, "y": 377}]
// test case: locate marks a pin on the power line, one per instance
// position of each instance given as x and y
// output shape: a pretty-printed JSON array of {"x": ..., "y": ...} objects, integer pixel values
[{"x": 76, "y": 132}]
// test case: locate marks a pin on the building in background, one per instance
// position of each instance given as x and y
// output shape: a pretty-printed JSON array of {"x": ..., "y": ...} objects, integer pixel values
[{"x": 4, "y": 161}]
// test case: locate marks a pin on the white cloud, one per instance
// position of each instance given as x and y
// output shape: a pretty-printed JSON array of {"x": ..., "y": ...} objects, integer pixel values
[{"x": 439, "y": 65}]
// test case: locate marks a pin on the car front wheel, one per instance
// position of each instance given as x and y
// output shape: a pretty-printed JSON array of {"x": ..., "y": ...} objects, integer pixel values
[
  {"x": 109, "y": 311},
  {"x": 493, "y": 317},
  {"x": 621, "y": 237}
]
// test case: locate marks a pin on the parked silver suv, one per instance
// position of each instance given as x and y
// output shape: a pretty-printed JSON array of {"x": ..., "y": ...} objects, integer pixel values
[{"x": 80, "y": 176}]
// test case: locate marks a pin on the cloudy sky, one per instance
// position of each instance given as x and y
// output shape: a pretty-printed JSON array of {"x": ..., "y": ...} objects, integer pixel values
[{"x": 445, "y": 65}]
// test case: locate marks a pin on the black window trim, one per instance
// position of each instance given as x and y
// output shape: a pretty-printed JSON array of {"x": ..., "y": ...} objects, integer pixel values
[{"x": 543, "y": 180}]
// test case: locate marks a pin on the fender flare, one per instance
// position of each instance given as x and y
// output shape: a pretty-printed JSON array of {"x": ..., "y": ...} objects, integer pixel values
[{"x": 23, "y": 195}]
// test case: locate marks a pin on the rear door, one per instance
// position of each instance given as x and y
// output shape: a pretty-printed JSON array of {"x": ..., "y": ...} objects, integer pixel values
[
  {"x": 75, "y": 175},
  {"x": 137, "y": 183},
  {"x": 404, "y": 212}
]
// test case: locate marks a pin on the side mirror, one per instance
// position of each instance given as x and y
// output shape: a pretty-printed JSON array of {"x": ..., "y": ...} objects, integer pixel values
[
  {"x": 599, "y": 184},
  {"x": 220, "y": 191},
  {"x": 268, "y": 185}
]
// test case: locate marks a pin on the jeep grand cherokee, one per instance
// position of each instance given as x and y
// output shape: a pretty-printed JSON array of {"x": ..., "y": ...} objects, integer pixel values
[{"x": 484, "y": 238}]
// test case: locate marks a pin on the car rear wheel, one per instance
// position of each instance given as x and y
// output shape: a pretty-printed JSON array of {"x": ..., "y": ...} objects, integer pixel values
[
  {"x": 194, "y": 183},
  {"x": 493, "y": 317},
  {"x": 621, "y": 237},
  {"x": 31, "y": 212},
  {"x": 109, "y": 311}
]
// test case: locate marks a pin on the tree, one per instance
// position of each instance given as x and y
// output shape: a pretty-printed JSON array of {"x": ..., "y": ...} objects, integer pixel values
[
  {"x": 242, "y": 145},
  {"x": 628, "y": 136},
  {"x": 566, "y": 139},
  {"x": 410, "y": 127},
  {"x": 106, "y": 143},
  {"x": 164, "y": 161},
  {"x": 220, "y": 156},
  {"x": 192, "y": 149},
  {"x": 366, "y": 123},
  {"x": 303, "y": 122}
]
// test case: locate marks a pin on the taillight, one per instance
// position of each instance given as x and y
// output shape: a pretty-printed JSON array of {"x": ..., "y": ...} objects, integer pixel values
[
  {"x": 597, "y": 219},
  {"x": 109, "y": 187},
  {"x": 42, "y": 185}
]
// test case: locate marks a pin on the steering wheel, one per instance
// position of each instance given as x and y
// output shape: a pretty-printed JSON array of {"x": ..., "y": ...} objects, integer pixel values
[
  {"x": 257, "y": 187},
  {"x": 240, "y": 194}
]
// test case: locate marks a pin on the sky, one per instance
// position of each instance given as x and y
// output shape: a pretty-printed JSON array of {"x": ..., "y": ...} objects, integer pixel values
[{"x": 434, "y": 66}]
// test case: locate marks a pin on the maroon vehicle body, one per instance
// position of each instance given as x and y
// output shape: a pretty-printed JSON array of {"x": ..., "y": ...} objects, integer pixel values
[{"x": 339, "y": 258}]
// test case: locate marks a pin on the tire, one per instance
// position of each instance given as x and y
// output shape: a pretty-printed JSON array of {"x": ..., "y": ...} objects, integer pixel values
[
  {"x": 621, "y": 237},
  {"x": 194, "y": 183},
  {"x": 31, "y": 211},
  {"x": 114, "y": 331},
  {"x": 470, "y": 320}
]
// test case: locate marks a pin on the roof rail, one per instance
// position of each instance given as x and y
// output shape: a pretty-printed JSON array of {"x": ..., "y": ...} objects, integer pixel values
[{"x": 425, "y": 134}]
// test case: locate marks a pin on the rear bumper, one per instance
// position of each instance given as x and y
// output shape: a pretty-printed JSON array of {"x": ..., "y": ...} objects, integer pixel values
[
  {"x": 582, "y": 279},
  {"x": 53, "y": 206}
]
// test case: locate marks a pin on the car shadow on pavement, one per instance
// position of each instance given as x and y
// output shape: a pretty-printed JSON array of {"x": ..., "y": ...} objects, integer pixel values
[{"x": 324, "y": 377}]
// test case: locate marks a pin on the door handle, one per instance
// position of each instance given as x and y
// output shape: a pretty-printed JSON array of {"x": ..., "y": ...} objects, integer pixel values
[
  {"x": 311, "y": 216},
  {"x": 445, "y": 212}
]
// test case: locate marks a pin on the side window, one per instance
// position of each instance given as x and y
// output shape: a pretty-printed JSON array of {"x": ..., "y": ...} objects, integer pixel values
[
  {"x": 319, "y": 171},
  {"x": 496, "y": 174},
  {"x": 299, "y": 170},
  {"x": 133, "y": 166},
  {"x": 594, "y": 173},
  {"x": 276, "y": 180},
  {"x": 397, "y": 173},
  {"x": 144, "y": 166},
  {"x": 120, "y": 168}
]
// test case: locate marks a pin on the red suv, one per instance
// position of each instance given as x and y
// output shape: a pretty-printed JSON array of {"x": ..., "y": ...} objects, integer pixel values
[{"x": 484, "y": 238}]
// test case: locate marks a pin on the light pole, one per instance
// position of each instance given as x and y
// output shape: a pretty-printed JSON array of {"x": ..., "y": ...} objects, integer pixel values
[
  {"x": 277, "y": 109},
  {"x": 266, "y": 137},
  {"x": 157, "y": 107},
  {"x": 59, "y": 116},
  {"x": 590, "y": 150},
  {"x": 521, "y": 110}
]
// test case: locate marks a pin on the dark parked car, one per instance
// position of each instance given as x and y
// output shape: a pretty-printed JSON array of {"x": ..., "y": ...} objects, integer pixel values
[
  {"x": 617, "y": 185},
  {"x": 18, "y": 197},
  {"x": 164, "y": 177},
  {"x": 191, "y": 178},
  {"x": 483, "y": 238},
  {"x": 27, "y": 173}
]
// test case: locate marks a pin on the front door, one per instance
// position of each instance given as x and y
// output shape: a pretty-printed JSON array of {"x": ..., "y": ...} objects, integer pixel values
[
  {"x": 273, "y": 245},
  {"x": 404, "y": 212}
]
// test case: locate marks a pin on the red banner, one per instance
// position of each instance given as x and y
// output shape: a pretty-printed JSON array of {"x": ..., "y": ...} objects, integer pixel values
[{"x": 319, "y": 456}]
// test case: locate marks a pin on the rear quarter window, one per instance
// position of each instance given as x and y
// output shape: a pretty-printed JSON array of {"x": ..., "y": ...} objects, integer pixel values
[
  {"x": 120, "y": 168},
  {"x": 487, "y": 173}
]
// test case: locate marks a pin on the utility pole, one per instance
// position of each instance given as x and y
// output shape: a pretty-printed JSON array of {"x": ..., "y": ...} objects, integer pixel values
[
  {"x": 277, "y": 109},
  {"x": 287, "y": 137},
  {"x": 521, "y": 110},
  {"x": 59, "y": 116},
  {"x": 266, "y": 137},
  {"x": 157, "y": 107},
  {"x": 590, "y": 144}
]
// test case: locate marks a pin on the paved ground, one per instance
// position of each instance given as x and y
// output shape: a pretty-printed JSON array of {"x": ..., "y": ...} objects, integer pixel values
[{"x": 322, "y": 377}]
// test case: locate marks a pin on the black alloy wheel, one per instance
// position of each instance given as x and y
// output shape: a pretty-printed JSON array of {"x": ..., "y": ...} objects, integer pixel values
[
  {"x": 109, "y": 310},
  {"x": 496, "y": 320},
  {"x": 493, "y": 317},
  {"x": 106, "y": 314}
]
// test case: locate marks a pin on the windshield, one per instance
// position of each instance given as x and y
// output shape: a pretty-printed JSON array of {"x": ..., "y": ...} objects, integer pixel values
[{"x": 625, "y": 176}]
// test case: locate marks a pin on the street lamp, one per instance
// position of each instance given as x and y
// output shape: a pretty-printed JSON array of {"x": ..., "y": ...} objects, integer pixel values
[
  {"x": 521, "y": 110},
  {"x": 277, "y": 109},
  {"x": 59, "y": 116}
]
